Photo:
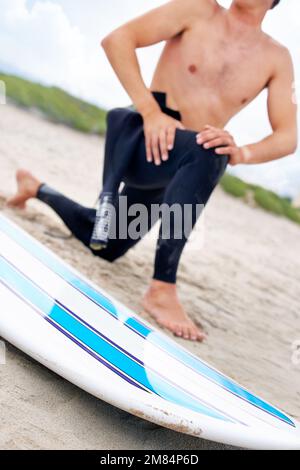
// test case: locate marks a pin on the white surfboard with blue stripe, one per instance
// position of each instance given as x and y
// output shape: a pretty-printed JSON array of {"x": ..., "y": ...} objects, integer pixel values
[{"x": 52, "y": 313}]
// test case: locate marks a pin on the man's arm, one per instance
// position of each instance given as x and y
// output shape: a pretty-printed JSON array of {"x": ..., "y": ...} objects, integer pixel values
[
  {"x": 283, "y": 117},
  {"x": 282, "y": 111},
  {"x": 158, "y": 25},
  {"x": 120, "y": 46}
]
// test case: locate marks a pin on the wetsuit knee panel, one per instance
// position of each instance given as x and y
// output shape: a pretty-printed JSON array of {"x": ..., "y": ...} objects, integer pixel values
[{"x": 192, "y": 152}]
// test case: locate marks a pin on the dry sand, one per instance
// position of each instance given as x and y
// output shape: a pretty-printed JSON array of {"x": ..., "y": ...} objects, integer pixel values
[{"x": 242, "y": 280}]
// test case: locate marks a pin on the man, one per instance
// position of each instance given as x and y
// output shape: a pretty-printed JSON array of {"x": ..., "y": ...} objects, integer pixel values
[{"x": 214, "y": 63}]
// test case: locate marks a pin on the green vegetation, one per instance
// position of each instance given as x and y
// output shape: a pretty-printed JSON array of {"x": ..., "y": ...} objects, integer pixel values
[
  {"x": 234, "y": 186},
  {"x": 268, "y": 201},
  {"x": 263, "y": 198},
  {"x": 55, "y": 104}
]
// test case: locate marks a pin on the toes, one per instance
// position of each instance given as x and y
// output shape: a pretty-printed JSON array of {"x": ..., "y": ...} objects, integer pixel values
[
  {"x": 200, "y": 335},
  {"x": 176, "y": 329},
  {"x": 196, "y": 331},
  {"x": 179, "y": 331},
  {"x": 194, "y": 334},
  {"x": 182, "y": 331},
  {"x": 186, "y": 332},
  {"x": 190, "y": 335}
]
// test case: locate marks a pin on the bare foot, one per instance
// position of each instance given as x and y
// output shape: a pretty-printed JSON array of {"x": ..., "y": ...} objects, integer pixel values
[
  {"x": 162, "y": 303},
  {"x": 28, "y": 187}
]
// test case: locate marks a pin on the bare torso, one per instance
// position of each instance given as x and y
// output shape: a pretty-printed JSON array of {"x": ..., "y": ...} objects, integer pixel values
[{"x": 211, "y": 73}]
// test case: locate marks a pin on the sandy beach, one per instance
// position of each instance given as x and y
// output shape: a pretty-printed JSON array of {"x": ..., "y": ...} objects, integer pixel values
[{"x": 240, "y": 276}]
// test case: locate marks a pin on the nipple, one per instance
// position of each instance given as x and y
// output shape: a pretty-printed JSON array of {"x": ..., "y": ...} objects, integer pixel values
[{"x": 192, "y": 68}]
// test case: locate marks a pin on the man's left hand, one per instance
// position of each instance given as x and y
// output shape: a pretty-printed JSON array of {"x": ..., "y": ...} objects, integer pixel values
[{"x": 223, "y": 143}]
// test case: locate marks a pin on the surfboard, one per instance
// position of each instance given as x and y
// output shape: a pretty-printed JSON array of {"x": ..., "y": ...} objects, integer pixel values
[{"x": 76, "y": 329}]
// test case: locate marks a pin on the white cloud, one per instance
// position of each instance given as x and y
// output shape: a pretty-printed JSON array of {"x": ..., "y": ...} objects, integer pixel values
[
  {"x": 42, "y": 42},
  {"x": 57, "y": 42}
]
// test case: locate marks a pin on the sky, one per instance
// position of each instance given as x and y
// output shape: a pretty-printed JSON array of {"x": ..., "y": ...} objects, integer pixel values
[{"x": 57, "y": 42}]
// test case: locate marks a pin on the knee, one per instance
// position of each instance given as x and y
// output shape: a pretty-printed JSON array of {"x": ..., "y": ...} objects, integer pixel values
[
  {"x": 185, "y": 139},
  {"x": 195, "y": 153},
  {"x": 103, "y": 254},
  {"x": 107, "y": 254},
  {"x": 187, "y": 147}
]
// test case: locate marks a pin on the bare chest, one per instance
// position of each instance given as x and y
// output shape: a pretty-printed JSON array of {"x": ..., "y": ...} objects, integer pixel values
[{"x": 233, "y": 71}]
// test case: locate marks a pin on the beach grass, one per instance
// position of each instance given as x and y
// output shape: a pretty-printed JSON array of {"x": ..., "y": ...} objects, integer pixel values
[
  {"x": 56, "y": 104},
  {"x": 261, "y": 197},
  {"x": 234, "y": 186}
]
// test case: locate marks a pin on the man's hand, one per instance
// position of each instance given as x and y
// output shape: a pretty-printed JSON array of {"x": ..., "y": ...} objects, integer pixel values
[
  {"x": 223, "y": 142},
  {"x": 160, "y": 130}
]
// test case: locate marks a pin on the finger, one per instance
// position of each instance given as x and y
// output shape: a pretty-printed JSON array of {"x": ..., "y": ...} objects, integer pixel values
[
  {"x": 205, "y": 130},
  {"x": 212, "y": 134},
  {"x": 148, "y": 149},
  {"x": 212, "y": 128},
  {"x": 219, "y": 142},
  {"x": 206, "y": 136},
  {"x": 208, "y": 128},
  {"x": 225, "y": 150},
  {"x": 155, "y": 150},
  {"x": 171, "y": 138},
  {"x": 230, "y": 138},
  {"x": 163, "y": 146}
]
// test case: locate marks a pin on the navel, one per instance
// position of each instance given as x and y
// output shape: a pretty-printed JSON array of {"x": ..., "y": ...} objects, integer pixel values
[{"x": 193, "y": 68}]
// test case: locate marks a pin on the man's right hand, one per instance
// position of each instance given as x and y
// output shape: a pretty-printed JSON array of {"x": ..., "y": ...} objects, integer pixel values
[{"x": 160, "y": 131}]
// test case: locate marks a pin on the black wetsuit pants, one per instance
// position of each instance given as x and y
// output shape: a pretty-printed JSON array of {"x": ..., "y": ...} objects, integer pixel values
[{"x": 187, "y": 179}]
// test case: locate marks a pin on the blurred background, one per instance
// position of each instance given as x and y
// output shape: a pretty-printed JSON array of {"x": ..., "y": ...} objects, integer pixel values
[{"x": 57, "y": 43}]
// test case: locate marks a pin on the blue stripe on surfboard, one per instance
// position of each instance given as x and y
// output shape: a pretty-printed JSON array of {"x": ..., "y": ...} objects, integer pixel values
[
  {"x": 207, "y": 371},
  {"x": 82, "y": 346},
  {"x": 53, "y": 312},
  {"x": 91, "y": 353},
  {"x": 52, "y": 262},
  {"x": 156, "y": 377}
]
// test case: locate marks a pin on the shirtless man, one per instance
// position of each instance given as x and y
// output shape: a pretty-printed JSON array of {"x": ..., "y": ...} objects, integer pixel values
[{"x": 215, "y": 62}]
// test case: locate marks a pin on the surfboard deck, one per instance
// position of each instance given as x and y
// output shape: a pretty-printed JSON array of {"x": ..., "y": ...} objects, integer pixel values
[{"x": 65, "y": 322}]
